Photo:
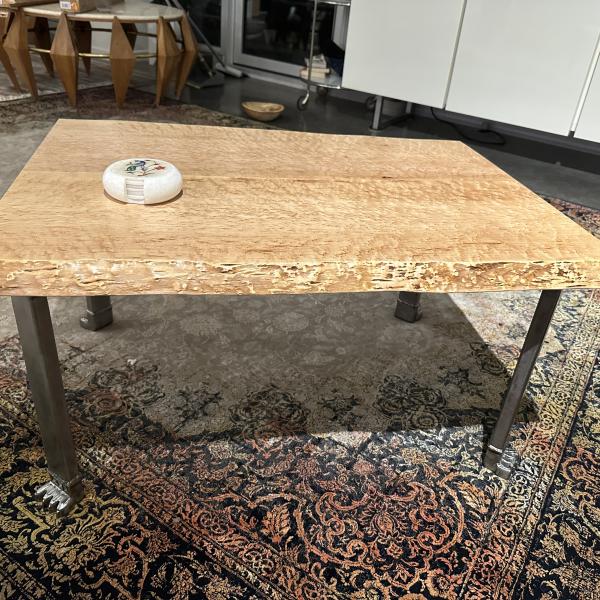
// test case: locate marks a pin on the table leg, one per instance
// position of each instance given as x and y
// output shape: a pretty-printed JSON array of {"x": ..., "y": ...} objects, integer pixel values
[
  {"x": 43, "y": 371},
  {"x": 65, "y": 57},
  {"x": 377, "y": 112},
  {"x": 16, "y": 46},
  {"x": 189, "y": 56},
  {"x": 82, "y": 30},
  {"x": 4, "y": 21},
  {"x": 408, "y": 306},
  {"x": 9, "y": 68},
  {"x": 168, "y": 56},
  {"x": 122, "y": 61},
  {"x": 131, "y": 32},
  {"x": 498, "y": 456},
  {"x": 41, "y": 33},
  {"x": 98, "y": 313}
]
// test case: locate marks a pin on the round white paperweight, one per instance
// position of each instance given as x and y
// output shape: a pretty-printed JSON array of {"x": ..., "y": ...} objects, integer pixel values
[{"x": 142, "y": 181}]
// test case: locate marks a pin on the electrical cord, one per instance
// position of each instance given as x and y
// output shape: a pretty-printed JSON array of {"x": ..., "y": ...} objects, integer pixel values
[{"x": 499, "y": 141}]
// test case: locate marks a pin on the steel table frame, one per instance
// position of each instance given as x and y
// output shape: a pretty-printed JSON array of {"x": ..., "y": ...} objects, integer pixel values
[{"x": 43, "y": 371}]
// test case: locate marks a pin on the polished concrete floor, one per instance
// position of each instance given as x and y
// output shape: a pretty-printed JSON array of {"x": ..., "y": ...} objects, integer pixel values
[{"x": 576, "y": 178}]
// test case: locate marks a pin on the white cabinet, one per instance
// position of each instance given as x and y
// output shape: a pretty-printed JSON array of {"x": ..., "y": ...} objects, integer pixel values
[
  {"x": 524, "y": 62},
  {"x": 588, "y": 127},
  {"x": 402, "y": 49}
]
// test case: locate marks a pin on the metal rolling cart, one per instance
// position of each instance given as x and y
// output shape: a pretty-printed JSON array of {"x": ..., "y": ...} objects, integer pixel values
[{"x": 331, "y": 81}]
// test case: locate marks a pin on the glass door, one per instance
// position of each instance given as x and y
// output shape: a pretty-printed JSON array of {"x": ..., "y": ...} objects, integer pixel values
[
  {"x": 206, "y": 14},
  {"x": 274, "y": 35}
]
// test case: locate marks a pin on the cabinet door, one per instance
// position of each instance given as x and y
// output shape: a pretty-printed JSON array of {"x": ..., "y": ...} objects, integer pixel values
[
  {"x": 524, "y": 62},
  {"x": 402, "y": 49},
  {"x": 588, "y": 127}
]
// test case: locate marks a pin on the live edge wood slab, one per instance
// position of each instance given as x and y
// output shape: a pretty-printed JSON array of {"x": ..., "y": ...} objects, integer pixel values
[{"x": 267, "y": 211}]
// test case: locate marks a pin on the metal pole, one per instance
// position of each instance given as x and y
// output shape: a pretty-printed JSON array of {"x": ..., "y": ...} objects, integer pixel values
[
  {"x": 303, "y": 101},
  {"x": 376, "y": 123},
  {"x": 312, "y": 39}
]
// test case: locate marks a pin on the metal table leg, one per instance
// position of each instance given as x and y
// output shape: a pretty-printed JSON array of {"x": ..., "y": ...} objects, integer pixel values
[
  {"x": 498, "y": 456},
  {"x": 377, "y": 112},
  {"x": 408, "y": 306},
  {"x": 98, "y": 313},
  {"x": 45, "y": 380},
  {"x": 377, "y": 124}
]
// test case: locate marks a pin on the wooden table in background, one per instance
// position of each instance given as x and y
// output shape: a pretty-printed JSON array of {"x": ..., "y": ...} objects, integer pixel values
[
  {"x": 5, "y": 17},
  {"x": 73, "y": 40},
  {"x": 272, "y": 212}
]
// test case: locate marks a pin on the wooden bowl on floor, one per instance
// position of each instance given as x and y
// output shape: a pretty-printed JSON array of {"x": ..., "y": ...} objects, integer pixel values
[{"x": 263, "y": 111}]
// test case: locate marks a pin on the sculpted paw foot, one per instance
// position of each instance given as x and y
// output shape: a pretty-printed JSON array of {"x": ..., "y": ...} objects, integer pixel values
[
  {"x": 57, "y": 499},
  {"x": 500, "y": 462}
]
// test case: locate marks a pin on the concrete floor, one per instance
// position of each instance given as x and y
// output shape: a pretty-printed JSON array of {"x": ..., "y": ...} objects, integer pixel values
[{"x": 532, "y": 163}]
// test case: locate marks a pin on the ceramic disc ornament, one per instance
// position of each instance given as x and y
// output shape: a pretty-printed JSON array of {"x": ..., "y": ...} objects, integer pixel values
[{"x": 142, "y": 181}]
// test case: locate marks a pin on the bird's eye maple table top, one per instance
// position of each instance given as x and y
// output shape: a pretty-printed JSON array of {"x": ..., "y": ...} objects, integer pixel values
[{"x": 267, "y": 211}]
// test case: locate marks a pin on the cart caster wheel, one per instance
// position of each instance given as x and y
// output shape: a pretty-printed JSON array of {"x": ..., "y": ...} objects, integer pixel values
[
  {"x": 302, "y": 103},
  {"x": 370, "y": 102},
  {"x": 322, "y": 92}
]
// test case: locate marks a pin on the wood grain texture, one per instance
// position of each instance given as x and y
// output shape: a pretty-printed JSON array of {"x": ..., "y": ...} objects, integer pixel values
[
  {"x": 128, "y": 11},
  {"x": 14, "y": 4},
  {"x": 8, "y": 66},
  {"x": 65, "y": 57},
  {"x": 4, "y": 21},
  {"x": 168, "y": 57},
  {"x": 188, "y": 57},
  {"x": 267, "y": 211},
  {"x": 17, "y": 48},
  {"x": 122, "y": 61},
  {"x": 41, "y": 35}
]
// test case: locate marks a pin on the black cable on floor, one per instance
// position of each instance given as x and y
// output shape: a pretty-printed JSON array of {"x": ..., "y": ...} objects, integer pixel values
[{"x": 499, "y": 141}]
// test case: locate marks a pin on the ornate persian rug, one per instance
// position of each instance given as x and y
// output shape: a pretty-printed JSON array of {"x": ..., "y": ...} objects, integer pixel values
[{"x": 309, "y": 447}]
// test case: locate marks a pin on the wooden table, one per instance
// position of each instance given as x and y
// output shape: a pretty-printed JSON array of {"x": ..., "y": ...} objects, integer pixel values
[
  {"x": 73, "y": 40},
  {"x": 272, "y": 212}
]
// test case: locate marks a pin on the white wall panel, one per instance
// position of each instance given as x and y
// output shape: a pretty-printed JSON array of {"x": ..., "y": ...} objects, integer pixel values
[
  {"x": 588, "y": 127},
  {"x": 524, "y": 62},
  {"x": 402, "y": 49}
]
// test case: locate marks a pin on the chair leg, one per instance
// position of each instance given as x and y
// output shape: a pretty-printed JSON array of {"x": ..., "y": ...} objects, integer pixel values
[
  {"x": 43, "y": 371},
  {"x": 98, "y": 313},
  {"x": 498, "y": 456},
  {"x": 408, "y": 306}
]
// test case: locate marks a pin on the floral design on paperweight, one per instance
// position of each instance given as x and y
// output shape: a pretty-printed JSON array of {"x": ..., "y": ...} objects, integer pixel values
[{"x": 141, "y": 167}]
